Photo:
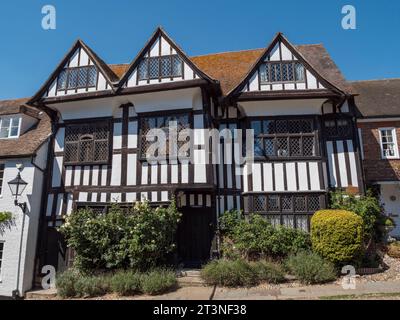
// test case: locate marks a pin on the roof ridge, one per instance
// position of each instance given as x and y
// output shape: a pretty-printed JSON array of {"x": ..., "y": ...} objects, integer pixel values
[
  {"x": 310, "y": 44},
  {"x": 370, "y": 80},
  {"x": 224, "y": 52}
]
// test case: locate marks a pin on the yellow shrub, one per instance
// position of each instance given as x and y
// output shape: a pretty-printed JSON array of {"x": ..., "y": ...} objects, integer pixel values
[{"x": 337, "y": 235}]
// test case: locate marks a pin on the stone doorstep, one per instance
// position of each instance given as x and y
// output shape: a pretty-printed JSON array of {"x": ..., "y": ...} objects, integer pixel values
[
  {"x": 41, "y": 294},
  {"x": 189, "y": 273}
]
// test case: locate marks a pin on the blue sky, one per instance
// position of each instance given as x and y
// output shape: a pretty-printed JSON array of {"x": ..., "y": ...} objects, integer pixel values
[{"x": 118, "y": 29}]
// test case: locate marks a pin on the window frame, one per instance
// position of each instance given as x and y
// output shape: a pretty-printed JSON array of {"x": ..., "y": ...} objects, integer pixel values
[
  {"x": 2, "y": 169},
  {"x": 281, "y": 213},
  {"x": 157, "y": 114},
  {"x": 146, "y": 63},
  {"x": 288, "y": 136},
  {"x": 332, "y": 118},
  {"x": 381, "y": 143},
  {"x": 68, "y": 71},
  {"x": 95, "y": 123},
  {"x": 11, "y": 125},
  {"x": 268, "y": 67}
]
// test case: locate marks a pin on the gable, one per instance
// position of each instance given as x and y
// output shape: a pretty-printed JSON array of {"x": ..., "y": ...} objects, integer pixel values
[
  {"x": 160, "y": 61},
  {"x": 78, "y": 75},
  {"x": 80, "y": 72},
  {"x": 281, "y": 69}
]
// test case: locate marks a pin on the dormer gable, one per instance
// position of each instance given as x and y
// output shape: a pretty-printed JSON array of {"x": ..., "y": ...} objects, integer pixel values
[
  {"x": 16, "y": 118},
  {"x": 282, "y": 68},
  {"x": 161, "y": 61},
  {"x": 80, "y": 72}
]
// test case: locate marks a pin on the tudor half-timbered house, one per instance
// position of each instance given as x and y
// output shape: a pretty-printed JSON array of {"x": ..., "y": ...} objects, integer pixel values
[{"x": 293, "y": 97}]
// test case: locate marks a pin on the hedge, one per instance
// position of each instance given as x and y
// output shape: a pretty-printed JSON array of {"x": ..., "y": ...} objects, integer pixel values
[{"x": 337, "y": 235}]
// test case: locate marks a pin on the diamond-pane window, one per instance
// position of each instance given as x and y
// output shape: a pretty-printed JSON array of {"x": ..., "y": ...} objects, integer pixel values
[
  {"x": 282, "y": 147},
  {"x": 313, "y": 203},
  {"x": 273, "y": 203},
  {"x": 180, "y": 122},
  {"x": 287, "y": 203},
  {"x": 264, "y": 73},
  {"x": 281, "y": 126},
  {"x": 300, "y": 204},
  {"x": 142, "y": 70},
  {"x": 295, "y": 148},
  {"x": 269, "y": 147},
  {"x": 92, "y": 76},
  {"x": 72, "y": 78},
  {"x": 338, "y": 129},
  {"x": 160, "y": 67},
  {"x": 165, "y": 66},
  {"x": 176, "y": 66},
  {"x": 87, "y": 143},
  {"x": 281, "y": 72},
  {"x": 284, "y": 138},
  {"x": 82, "y": 77},
  {"x": 308, "y": 146},
  {"x": 154, "y": 70},
  {"x": 62, "y": 80},
  {"x": 79, "y": 77},
  {"x": 260, "y": 203},
  {"x": 299, "y": 72}
]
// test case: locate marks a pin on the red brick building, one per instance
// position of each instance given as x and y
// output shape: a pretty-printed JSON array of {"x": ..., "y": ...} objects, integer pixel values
[{"x": 378, "y": 107}]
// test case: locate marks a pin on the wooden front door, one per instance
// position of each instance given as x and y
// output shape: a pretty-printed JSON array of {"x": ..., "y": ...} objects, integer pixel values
[{"x": 195, "y": 234}]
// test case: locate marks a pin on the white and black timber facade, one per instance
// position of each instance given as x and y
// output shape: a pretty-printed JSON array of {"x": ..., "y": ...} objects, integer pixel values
[{"x": 293, "y": 97}]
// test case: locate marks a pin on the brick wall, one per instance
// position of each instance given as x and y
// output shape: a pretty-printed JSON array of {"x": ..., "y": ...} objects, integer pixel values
[{"x": 376, "y": 168}]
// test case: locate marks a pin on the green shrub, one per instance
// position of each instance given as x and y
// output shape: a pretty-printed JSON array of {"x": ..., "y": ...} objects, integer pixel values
[
  {"x": 126, "y": 283},
  {"x": 92, "y": 286},
  {"x": 367, "y": 207},
  {"x": 310, "y": 268},
  {"x": 337, "y": 235},
  {"x": 256, "y": 237},
  {"x": 5, "y": 217},
  {"x": 229, "y": 221},
  {"x": 229, "y": 273},
  {"x": 268, "y": 271},
  {"x": 158, "y": 282},
  {"x": 140, "y": 239},
  {"x": 65, "y": 283}
]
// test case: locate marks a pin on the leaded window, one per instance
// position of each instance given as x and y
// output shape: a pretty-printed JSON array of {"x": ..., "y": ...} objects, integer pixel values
[
  {"x": 291, "y": 210},
  {"x": 160, "y": 67},
  {"x": 87, "y": 143},
  {"x": 1, "y": 176},
  {"x": 271, "y": 72},
  {"x": 284, "y": 138},
  {"x": 295, "y": 203},
  {"x": 174, "y": 127},
  {"x": 338, "y": 129},
  {"x": 77, "y": 77}
]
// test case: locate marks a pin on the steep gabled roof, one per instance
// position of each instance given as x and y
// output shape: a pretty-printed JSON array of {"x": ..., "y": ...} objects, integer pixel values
[
  {"x": 229, "y": 68},
  {"x": 109, "y": 75},
  {"x": 29, "y": 142},
  {"x": 377, "y": 98},
  {"x": 159, "y": 32},
  {"x": 280, "y": 38},
  {"x": 321, "y": 61}
]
